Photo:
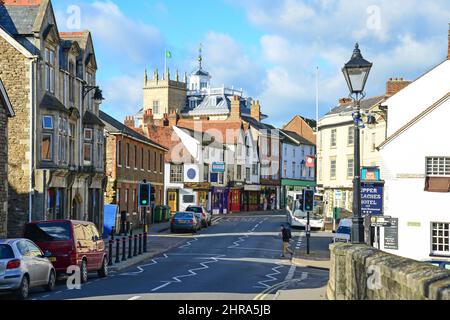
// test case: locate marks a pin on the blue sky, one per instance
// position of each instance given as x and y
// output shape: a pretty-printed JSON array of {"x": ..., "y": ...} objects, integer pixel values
[{"x": 268, "y": 48}]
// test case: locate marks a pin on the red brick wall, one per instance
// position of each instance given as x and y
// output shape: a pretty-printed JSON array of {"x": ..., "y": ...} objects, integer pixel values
[{"x": 122, "y": 177}]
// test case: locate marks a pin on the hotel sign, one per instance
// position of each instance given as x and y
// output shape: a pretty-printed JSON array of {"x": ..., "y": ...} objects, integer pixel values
[
  {"x": 218, "y": 167},
  {"x": 372, "y": 199}
]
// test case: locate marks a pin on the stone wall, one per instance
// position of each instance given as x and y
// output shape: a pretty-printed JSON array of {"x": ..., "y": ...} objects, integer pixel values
[
  {"x": 360, "y": 272},
  {"x": 14, "y": 72},
  {"x": 3, "y": 171}
]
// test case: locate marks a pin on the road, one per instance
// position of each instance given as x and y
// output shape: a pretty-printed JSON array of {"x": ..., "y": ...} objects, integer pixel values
[{"x": 238, "y": 258}]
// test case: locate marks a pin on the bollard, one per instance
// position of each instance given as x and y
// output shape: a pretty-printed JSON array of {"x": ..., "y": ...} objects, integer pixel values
[
  {"x": 140, "y": 243},
  {"x": 124, "y": 249},
  {"x": 110, "y": 262},
  {"x": 113, "y": 231},
  {"x": 145, "y": 242},
  {"x": 135, "y": 245},
  {"x": 117, "y": 251},
  {"x": 130, "y": 247}
]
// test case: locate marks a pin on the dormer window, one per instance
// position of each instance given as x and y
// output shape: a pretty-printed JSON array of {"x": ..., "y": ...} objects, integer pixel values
[{"x": 50, "y": 70}]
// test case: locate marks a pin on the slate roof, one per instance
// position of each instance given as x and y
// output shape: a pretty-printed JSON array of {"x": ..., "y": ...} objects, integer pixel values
[
  {"x": 92, "y": 119},
  {"x": 257, "y": 124},
  {"x": 115, "y": 126},
  {"x": 200, "y": 72},
  {"x": 50, "y": 102},
  {"x": 365, "y": 105},
  {"x": 18, "y": 20},
  {"x": 296, "y": 137}
]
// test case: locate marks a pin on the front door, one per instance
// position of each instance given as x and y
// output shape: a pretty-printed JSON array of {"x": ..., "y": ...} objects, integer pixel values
[
  {"x": 172, "y": 200},
  {"x": 235, "y": 201}
]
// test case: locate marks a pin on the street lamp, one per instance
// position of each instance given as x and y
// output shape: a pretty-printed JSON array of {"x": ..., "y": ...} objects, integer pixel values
[
  {"x": 356, "y": 72},
  {"x": 98, "y": 96}
]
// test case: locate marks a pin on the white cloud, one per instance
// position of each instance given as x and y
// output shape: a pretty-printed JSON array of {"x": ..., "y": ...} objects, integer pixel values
[
  {"x": 119, "y": 36},
  {"x": 123, "y": 95},
  {"x": 401, "y": 38},
  {"x": 229, "y": 64}
]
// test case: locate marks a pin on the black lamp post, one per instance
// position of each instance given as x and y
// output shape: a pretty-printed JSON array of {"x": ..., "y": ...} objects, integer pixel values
[
  {"x": 98, "y": 96},
  {"x": 356, "y": 72}
]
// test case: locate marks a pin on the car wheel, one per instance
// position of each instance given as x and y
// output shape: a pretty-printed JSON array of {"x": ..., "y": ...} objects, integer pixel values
[
  {"x": 50, "y": 286},
  {"x": 103, "y": 272},
  {"x": 24, "y": 289},
  {"x": 84, "y": 272}
]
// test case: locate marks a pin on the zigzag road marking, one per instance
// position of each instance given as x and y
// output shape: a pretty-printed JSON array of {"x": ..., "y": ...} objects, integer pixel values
[
  {"x": 191, "y": 272},
  {"x": 189, "y": 243},
  {"x": 141, "y": 267},
  {"x": 271, "y": 277}
]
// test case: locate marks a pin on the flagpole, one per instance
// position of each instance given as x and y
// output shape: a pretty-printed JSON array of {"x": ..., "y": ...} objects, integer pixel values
[
  {"x": 317, "y": 100},
  {"x": 165, "y": 61}
]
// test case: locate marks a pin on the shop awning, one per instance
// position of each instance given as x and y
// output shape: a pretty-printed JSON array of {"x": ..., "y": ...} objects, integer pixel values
[{"x": 298, "y": 183}]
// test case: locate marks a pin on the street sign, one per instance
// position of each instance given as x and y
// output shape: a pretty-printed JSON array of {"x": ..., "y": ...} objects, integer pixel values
[
  {"x": 218, "y": 167},
  {"x": 380, "y": 221},
  {"x": 372, "y": 199},
  {"x": 391, "y": 235}
]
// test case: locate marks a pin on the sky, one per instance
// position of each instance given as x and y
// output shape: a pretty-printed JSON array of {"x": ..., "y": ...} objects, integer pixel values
[{"x": 270, "y": 49}]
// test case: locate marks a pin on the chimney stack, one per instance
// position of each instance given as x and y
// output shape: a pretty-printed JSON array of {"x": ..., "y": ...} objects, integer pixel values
[
  {"x": 235, "y": 113},
  {"x": 129, "y": 121},
  {"x": 255, "y": 111},
  {"x": 448, "y": 55},
  {"x": 345, "y": 101},
  {"x": 395, "y": 85},
  {"x": 148, "y": 117},
  {"x": 173, "y": 118}
]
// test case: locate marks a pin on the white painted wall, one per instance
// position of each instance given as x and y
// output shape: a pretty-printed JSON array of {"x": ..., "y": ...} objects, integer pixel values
[
  {"x": 291, "y": 154},
  {"x": 405, "y": 198}
]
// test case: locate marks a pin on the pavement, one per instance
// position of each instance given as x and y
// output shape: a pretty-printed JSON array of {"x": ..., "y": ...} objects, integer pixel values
[{"x": 238, "y": 258}]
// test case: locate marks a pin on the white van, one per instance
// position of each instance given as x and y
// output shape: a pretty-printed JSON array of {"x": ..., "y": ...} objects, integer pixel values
[{"x": 344, "y": 231}]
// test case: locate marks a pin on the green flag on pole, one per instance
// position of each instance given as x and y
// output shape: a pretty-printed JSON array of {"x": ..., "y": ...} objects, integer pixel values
[{"x": 168, "y": 54}]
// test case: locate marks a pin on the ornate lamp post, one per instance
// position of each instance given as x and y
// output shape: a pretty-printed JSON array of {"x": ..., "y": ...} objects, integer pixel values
[{"x": 356, "y": 72}]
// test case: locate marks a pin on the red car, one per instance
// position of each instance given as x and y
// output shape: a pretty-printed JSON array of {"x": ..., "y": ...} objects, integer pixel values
[{"x": 70, "y": 243}]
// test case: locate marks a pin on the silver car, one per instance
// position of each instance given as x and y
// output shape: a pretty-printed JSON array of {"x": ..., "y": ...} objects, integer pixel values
[{"x": 23, "y": 266}]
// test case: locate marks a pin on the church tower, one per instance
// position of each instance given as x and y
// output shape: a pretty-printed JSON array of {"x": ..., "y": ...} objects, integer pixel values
[
  {"x": 199, "y": 79},
  {"x": 164, "y": 95}
]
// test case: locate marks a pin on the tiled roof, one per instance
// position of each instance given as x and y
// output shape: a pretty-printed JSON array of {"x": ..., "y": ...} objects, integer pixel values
[
  {"x": 166, "y": 137},
  {"x": 296, "y": 137},
  {"x": 365, "y": 105},
  {"x": 18, "y": 19},
  {"x": 115, "y": 126},
  {"x": 222, "y": 131},
  {"x": 257, "y": 124},
  {"x": 92, "y": 119},
  {"x": 50, "y": 102}
]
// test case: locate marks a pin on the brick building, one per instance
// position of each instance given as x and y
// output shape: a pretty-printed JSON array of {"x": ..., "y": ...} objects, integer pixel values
[
  {"x": 131, "y": 158},
  {"x": 6, "y": 112},
  {"x": 55, "y": 141}
]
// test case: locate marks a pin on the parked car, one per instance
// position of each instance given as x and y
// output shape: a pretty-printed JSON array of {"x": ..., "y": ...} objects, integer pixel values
[
  {"x": 185, "y": 221},
  {"x": 344, "y": 231},
  {"x": 440, "y": 264},
  {"x": 70, "y": 243},
  {"x": 23, "y": 266},
  {"x": 205, "y": 217}
]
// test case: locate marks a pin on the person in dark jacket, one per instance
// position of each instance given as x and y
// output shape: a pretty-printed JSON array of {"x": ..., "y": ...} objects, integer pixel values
[{"x": 286, "y": 236}]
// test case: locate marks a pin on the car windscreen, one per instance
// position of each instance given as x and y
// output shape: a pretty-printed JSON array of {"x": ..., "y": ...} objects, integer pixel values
[
  {"x": 345, "y": 230},
  {"x": 48, "y": 232},
  {"x": 184, "y": 215},
  {"x": 194, "y": 209},
  {"x": 6, "y": 252}
]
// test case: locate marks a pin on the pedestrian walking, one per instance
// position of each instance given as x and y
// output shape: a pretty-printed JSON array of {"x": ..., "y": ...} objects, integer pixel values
[{"x": 286, "y": 237}]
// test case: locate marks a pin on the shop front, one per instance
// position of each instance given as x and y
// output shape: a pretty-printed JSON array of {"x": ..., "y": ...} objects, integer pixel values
[
  {"x": 219, "y": 200},
  {"x": 251, "y": 198},
  {"x": 293, "y": 185},
  {"x": 203, "y": 193},
  {"x": 268, "y": 198}
]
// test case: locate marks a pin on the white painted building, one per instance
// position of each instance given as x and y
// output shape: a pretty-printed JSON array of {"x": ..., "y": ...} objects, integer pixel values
[{"x": 415, "y": 163}]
